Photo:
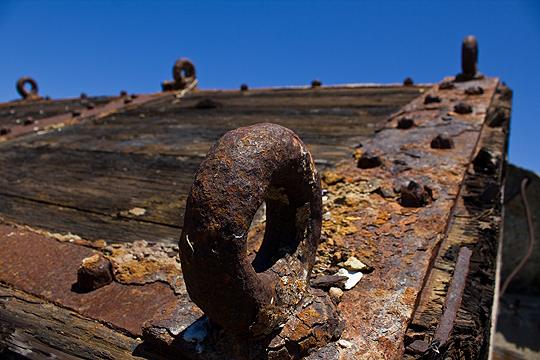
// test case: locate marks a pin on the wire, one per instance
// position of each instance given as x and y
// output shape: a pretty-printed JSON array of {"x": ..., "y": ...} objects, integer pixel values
[{"x": 531, "y": 237}]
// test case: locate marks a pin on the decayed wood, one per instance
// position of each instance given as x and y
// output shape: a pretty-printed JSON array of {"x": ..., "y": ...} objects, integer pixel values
[
  {"x": 85, "y": 178},
  {"x": 476, "y": 223},
  {"x": 38, "y": 329}
]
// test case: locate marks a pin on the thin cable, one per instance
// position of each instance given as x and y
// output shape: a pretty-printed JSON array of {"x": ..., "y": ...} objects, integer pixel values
[{"x": 531, "y": 237}]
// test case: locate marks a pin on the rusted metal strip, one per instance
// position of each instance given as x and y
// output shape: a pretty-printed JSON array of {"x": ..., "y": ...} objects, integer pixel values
[{"x": 453, "y": 299}]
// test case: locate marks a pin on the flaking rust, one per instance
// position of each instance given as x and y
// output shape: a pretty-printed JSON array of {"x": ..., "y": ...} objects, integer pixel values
[{"x": 364, "y": 214}]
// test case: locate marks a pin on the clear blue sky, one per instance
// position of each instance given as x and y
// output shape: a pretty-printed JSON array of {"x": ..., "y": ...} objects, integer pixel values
[{"x": 103, "y": 47}]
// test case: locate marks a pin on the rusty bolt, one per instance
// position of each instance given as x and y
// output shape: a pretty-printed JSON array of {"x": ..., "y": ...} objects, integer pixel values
[
  {"x": 4, "y": 131},
  {"x": 183, "y": 73},
  {"x": 244, "y": 87},
  {"x": 84, "y": 96},
  {"x": 474, "y": 90},
  {"x": 90, "y": 105},
  {"x": 408, "y": 81},
  {"x": 442, "y": 141},
  {"x": 128, "y": 99},
  {"x": 462, "y": 108},
  {"x": 22, "y": 90},
  {"x": 76, "y": 113},
  {"x": 123, "y": 93},
  {"x": 431, "y": 98},
  {"x": 446, "y": 85},
  {"x": 134, "y": 96},
  {"x": 249, "y": 165},
  {"x": 416, "y": 195},
  {"x": 94, "y": 272},
  {"x": 469, "y": 57},
  {"x": 168, "y": 85},
  {"x": 28, "y": 121},
  {"x": 405, "y": 123},
  {"x": 369, "y": 159},
  {"x": 316, "y": 83}
]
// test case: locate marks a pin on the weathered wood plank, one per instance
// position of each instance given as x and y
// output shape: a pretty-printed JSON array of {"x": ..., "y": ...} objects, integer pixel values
[
  {"x": 86, "y": 178},
  {"x": 38, "y": 329}
]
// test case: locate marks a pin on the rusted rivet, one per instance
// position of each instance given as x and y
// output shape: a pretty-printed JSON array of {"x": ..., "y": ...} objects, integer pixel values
[
  {"x": 28, "y": 121},
  {"x": 431, "y": 98},
  {"x": 94, "y": 272},
  {"x": 462, "y": 108},
  {"x": 4, "y": 131},
  {"x": 76, "y": 113},
  {"x": 416, "y": 195},
  {"x": 405, "y": 122},
  {"x": 316, "y": 83},
  {"x": 84, "y": 96},
  {"x": 168, "y": 85},
  {"x": 90, "y": 105},
  {"x": 128, "y": 99},
  {"x": 123, "y": 93},
  {"x": 369, "y": 159},
  {"x": 474, "y": 90},
  {"x": 442, "y": 141},
  {"x": 134, "y": 96},
  {"x": 183, "y": 73},
  {"x": 244, "y": 87},
  {"x": 408, "y": 81},
  {"x": 22, "y": 90},
  {"x": 241, "y": 170},
  {"x": 446, "y": 85}
]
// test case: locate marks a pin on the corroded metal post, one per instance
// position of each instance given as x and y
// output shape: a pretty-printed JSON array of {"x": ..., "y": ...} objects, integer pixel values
[
  {"x": 263, "y": 162},
  {"x": 469, "y": 60}
]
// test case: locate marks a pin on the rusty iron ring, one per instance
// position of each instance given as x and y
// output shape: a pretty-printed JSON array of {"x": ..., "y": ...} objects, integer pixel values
[
  {"x": 249, "y": 165},
  {"x": 22, "y": 91},
  {"x": 183, "y": 73}
]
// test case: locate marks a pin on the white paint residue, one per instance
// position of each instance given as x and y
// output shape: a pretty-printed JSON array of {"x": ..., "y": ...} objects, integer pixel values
[{"x": 354, "y": 277}]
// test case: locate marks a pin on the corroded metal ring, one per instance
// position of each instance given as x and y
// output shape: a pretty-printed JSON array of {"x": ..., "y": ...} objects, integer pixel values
[
  {"x": 183, "y": 73},
  {"x": 21, "y": 89},
  {"x": 244, "y": 168}
]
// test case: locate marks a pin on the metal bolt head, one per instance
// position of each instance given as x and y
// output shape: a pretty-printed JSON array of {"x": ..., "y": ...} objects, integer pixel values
[
  {"x": 316, "y": 83},
  {"x": 405, "y": 123},
  {"x": 446, "y": 85},
  {"x": 416, "y": 195},
  {"x": 474, "y": 90},
  {"x": 431, "y": 98},
  {"x": 94, "y": 272},
  {"x": 90, "y": 105},
  {"x": 369, "y": 159},
  {"x": 244, "y": 87},
  {"x": 462, "y": 108},
  {"x": 442, "y": 141},
  {"x": 408, "y": 81}
]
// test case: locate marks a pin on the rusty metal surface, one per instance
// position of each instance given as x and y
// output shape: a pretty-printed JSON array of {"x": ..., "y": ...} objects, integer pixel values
[
  {"x": 363, "y": 220},
  {"x": 453, "y": 299},
  {"x": 47, "y": 268}
]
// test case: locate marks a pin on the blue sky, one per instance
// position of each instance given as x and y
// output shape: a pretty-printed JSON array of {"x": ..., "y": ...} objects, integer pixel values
[{"x": 103, "y": 47}]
